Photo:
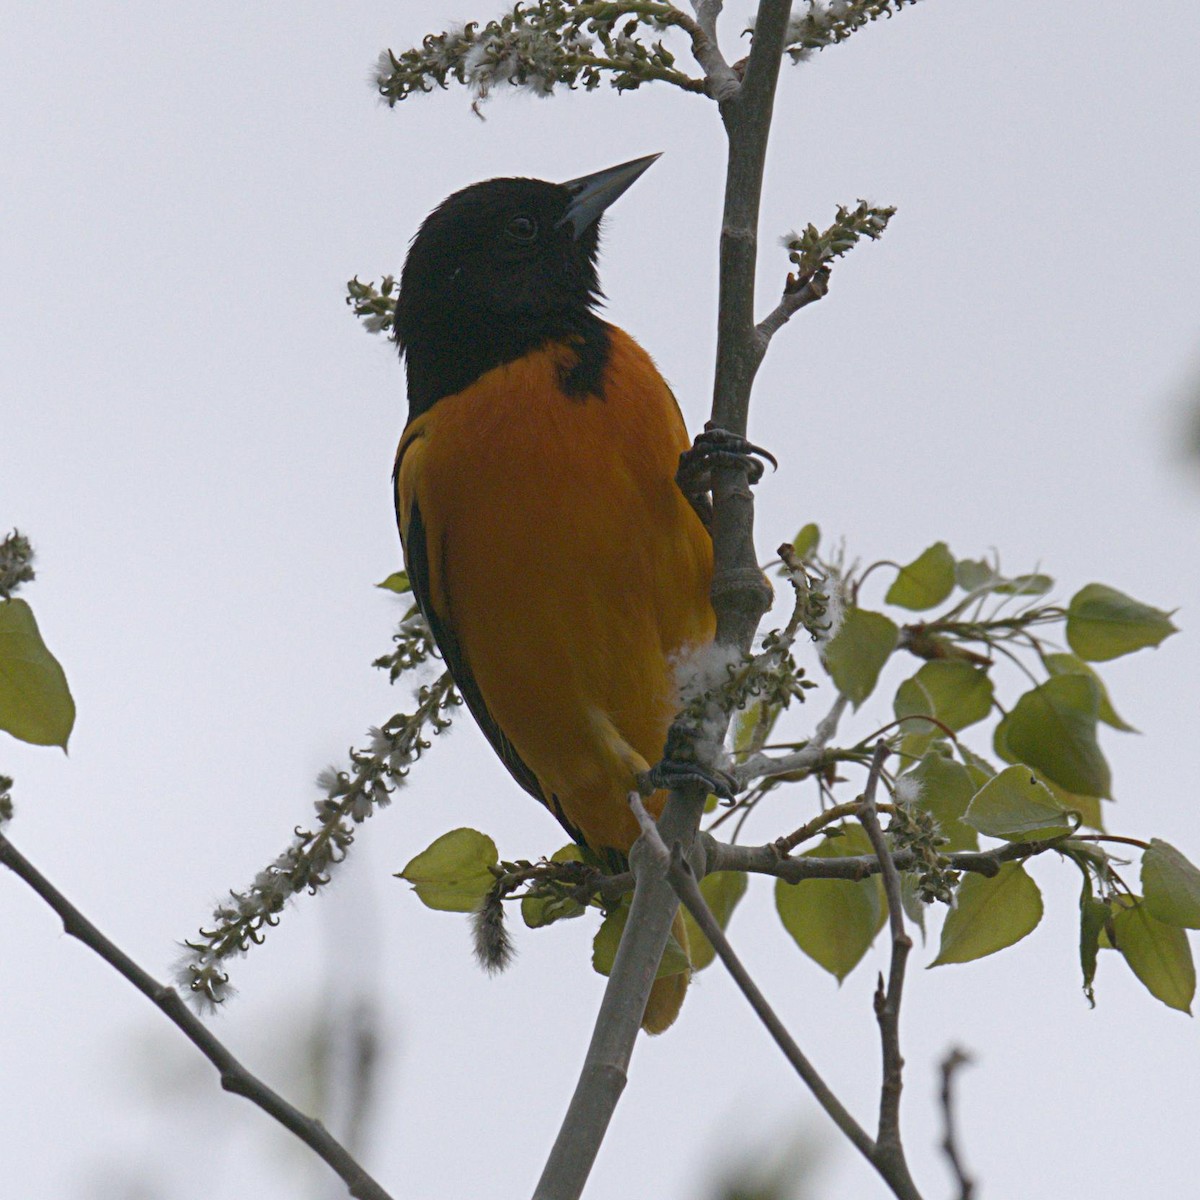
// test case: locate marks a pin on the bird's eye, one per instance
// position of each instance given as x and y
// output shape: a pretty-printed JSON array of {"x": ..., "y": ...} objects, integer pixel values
[{"x": 522, "y": 229}]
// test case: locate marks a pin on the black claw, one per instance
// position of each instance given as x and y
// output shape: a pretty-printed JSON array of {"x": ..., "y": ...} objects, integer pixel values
[
  {"x": 714, "y": 446},
  {"x": 671, "y": 773}
]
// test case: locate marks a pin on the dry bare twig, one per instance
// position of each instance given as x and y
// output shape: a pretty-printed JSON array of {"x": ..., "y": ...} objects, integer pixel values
[{"x": 951, "y": 1064}]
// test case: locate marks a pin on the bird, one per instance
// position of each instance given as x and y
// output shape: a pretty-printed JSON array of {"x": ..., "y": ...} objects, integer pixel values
[{"x": 563, "y": 571}]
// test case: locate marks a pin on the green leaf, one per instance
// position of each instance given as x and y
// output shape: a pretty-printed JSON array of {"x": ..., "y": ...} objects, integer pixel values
[
  {"x": 974, "y": 573},
  {"x": 1103, "y": 623},
  {"x": 723, "y": 890},
  {"x": 805, "y": 543},
  {"x": 745, "y": 722},
  {"x": 1024, "y": 585},
  {"x": 957, "y": 693},
  {"x": 946, "y": 790},
  {"x": 1171, "y": 885},
  {"x": 914, "y": 906},
  {"x": 1016, "y": 807},
  {"x": 35, "y": 700},
  {"x": 857, "y": 653},
  {"x": 1089, "y": 808},
  {"x": 834, "y": 921},
  {"x": 1094, "y": 915},
  {"x": 608, "y": 938},
  {"x": 537, "y": 911},
  {"x": 926, "y": 581},
  {"x": 912, "y": 700},
  {"x": 981, "y": 770},
  {"x": 989, "y": 914},
  {"x": 1069, "y": 664},
  {"x": 452, "y": 875},
  {"x": 1158, "y": 954},
  {"x": 912, "y": 703},
  {"x": 1053, "y": 728},
  {"x": 396, "y": 582}
]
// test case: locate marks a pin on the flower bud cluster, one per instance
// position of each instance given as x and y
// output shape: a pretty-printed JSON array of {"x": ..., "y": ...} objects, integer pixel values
[
  {"x": 828, "y": 22},
  {"x": 350, "y": 797}
]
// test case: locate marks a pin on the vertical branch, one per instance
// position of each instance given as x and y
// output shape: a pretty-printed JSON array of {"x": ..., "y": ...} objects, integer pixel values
[
  {"x": 606, "y": 1065},
  {"x": 721, "y": 81},
  {"x": 740, "y": 596},
  {"x": 887, "y": 1001}
]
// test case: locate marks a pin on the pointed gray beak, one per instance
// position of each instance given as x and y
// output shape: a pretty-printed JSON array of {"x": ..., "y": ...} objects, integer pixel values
[{"x": 592, "y": 194}]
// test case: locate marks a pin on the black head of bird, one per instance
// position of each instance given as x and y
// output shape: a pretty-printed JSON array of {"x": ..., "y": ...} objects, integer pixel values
[{"x": 498, "y": 269}]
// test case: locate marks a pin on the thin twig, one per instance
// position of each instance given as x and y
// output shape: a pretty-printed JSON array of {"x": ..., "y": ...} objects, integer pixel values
[
  {"x": 887, "y": 1000},
  {"x": 950, "y": 1066},
  {"x": 762, "y": 766},
  {"x": 765, "y": 860},
  {"x": 796, "y": 295},
  {"x": 852, "y": 808},
  {"x": 234, "y": 1077},
  {"x": 721, "y": 82},
  {"x": 683, "y": 880},
  {"x": 364, "y": 1048}
]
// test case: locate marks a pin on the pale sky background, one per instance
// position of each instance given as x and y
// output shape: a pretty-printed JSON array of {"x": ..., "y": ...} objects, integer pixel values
[{"x": 198, "y": 437}]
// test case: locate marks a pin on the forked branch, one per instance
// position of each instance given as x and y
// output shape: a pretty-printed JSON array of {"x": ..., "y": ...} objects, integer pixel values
[
  {"x": 887, "y": 999},
  {"x": 888, "y": 1161}
]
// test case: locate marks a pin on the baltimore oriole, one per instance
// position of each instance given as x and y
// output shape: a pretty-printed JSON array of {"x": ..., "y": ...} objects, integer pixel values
[{"x": 563, "y": 572}]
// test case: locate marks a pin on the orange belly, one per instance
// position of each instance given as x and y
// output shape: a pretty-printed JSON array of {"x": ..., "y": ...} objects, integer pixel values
[{"x": 569, "y": 566}]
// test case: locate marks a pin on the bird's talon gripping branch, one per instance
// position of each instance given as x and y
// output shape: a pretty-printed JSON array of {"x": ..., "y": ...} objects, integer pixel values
[
  {"x": 672, "y": 773},
  {"x": 717, "y": 447}
]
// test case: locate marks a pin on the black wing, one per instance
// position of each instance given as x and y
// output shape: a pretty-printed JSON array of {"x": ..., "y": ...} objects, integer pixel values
[{"x": 416, "y": 553}]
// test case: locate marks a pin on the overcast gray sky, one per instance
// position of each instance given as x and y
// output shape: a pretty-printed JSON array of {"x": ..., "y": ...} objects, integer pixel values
[{"x": 198, "y": 438}]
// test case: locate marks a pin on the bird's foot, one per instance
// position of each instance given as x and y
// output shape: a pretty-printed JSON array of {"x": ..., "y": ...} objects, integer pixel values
[
  {"x": 719, "y": 447},
  {"x": 670, "y": 774}
]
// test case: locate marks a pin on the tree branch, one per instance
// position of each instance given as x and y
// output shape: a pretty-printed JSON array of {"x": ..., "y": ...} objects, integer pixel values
[
  {"x": 683, "y": 881},
  {"x": 766, "y": 860},
  {"x": 950, "y": 1066},
  {"x": 606, "y": 1064},
  {"x": 740, "y": 595},
  {"x": 891, "y": 1167},
  {"x": 763, "y": 766},
  {"x": 887, "y": 1001},
  {"x": 797, "y": 295},
  {"x": 234, "y": 1077},
  {"x": 721, "y": 81}
]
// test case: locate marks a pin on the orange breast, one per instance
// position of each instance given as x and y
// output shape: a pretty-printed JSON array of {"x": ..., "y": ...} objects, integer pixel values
[{"x": 568, "y": 564}]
